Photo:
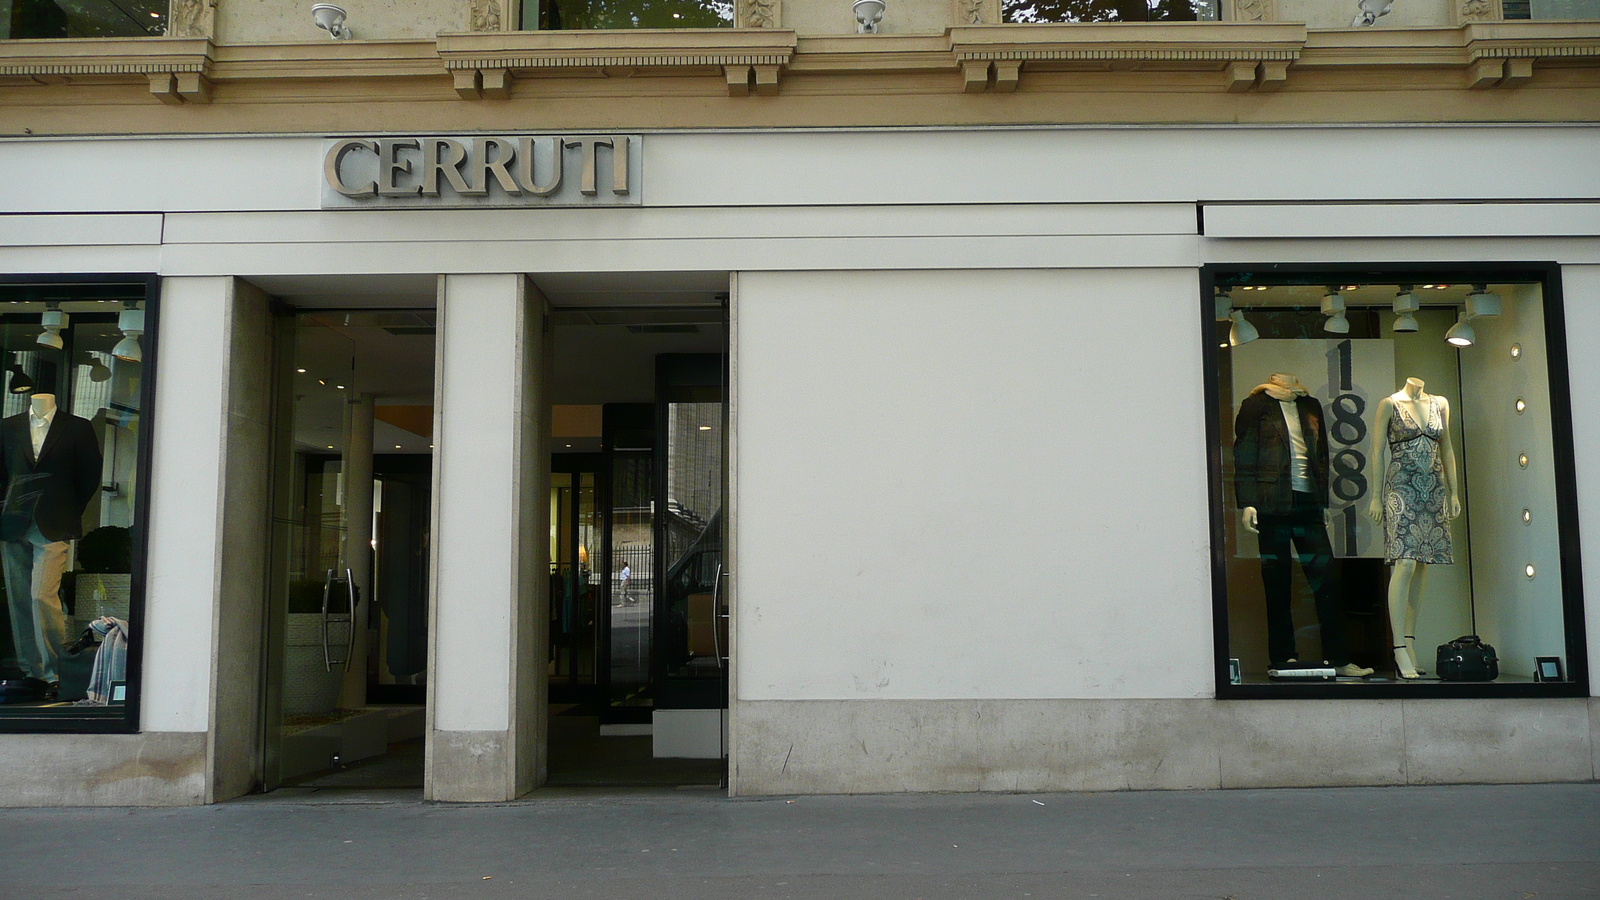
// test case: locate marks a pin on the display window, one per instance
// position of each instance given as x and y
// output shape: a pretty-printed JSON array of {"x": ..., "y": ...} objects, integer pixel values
[
  {"x": 74, "y": 457},
  {"x": 1392, "y": 482}
]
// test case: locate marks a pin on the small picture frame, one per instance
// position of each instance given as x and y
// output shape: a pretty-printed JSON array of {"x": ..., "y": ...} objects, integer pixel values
[
  {"x": 1548, "y": 668},
  {"x": 1235, "y": 674}
]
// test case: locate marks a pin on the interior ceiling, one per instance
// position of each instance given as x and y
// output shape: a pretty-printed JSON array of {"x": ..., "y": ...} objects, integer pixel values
[
  {"x": 1427, "y": 294},
  {"x": 570, "y": 289},
  {"x": 375, "y": 334}
]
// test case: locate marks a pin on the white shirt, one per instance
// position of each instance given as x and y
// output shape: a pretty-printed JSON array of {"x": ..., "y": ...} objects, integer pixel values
[
  {"x": 38, "y": 428},
  {"x": 1300, "y": 465}
]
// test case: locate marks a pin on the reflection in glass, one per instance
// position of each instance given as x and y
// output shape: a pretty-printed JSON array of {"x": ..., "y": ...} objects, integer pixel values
[
  {"x": 1367, "y": 477},
  {"x": 83, "y": 18},
  {"x": 560, "y": 15},
  {"x": 1039, "y": 11},
  {"x": 697, "y": 632},
  {"x": 632, "y": 576},
  {"x": 69, "y": 449}
]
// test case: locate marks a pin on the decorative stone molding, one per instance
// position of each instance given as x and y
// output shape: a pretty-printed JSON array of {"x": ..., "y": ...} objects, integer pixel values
[
  {"x": 1468, "y": 11},
  {"x": 759, "y": 13},
  {"x": 484, "y": 65},
  {"x": 487, "y": 15},
  {"x": 1502, "y": 54},
  {"x": 192, "y": 18},
  {"x": 975, "y": 12},
  {"x": 1251, "y": 55},
  {"x": 1252, "y": 11},
  {"x": 178, "y": 69}
]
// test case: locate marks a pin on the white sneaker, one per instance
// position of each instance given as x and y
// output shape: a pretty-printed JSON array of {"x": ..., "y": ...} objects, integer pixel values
[{"x": 1351, "y": 670}]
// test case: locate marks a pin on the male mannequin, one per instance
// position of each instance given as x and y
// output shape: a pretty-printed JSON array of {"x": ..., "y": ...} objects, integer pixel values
[
  {"x": 1280, "y": 457},
  {"x": 1416, "y": 465},
  {"x": 49, "y": 471}
]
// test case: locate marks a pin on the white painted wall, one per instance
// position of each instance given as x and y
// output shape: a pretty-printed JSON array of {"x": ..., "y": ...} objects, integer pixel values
[
  {"x": 475, "y": 440},
  {"x": 1157, "y": 164},
  {"x": 1581, "y": 286},
  {"x": 971, "y": 485},
  {"x": 184, "y": 492}
]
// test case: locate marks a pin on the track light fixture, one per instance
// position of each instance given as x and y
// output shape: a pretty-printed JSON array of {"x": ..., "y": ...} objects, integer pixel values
[
  {"x": 53, "y": 321},
  {"x": 1242, "y": 331},
  {"x": 1461, "y": 333},
  {"x": 1405, "y": 310},
  {"x": 1481, "y": 304},
  {"x": 1333, "y": 308},
  {"x": 131, "y": 323}
]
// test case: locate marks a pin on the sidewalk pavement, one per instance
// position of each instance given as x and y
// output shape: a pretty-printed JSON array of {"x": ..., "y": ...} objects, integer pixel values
[{"x": 1517, "y": 842}]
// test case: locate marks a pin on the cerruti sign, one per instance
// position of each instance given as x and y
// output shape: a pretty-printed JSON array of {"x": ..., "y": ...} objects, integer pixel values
[{"x": 471, "y": 171}]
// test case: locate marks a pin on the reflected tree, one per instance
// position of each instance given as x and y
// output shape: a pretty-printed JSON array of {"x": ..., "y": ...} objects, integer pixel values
[
  {"x": 1029, "y": 11},
  {"x": 559, "y": 15}
]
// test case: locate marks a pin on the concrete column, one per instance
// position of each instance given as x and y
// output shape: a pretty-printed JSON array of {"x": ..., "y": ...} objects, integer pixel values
[
  {"x": 487, "y": 681},
  {"x": 358, "y": 538}
]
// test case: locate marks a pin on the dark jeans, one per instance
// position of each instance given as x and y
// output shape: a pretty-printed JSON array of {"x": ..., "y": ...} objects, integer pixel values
[{"x": 1302, "y": 526}]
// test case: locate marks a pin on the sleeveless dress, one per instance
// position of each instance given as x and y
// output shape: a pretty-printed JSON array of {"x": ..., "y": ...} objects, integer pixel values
[{"x": 1415, "y": 522}]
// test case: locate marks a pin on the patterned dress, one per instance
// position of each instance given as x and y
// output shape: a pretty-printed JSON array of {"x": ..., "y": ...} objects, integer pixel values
[{"x": 1416, "y": 524}]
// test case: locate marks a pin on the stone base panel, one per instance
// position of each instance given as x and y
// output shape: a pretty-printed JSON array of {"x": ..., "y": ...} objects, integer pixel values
[
  {"x": 151, "y": 769},
  {"x": 883, "y": 746}
]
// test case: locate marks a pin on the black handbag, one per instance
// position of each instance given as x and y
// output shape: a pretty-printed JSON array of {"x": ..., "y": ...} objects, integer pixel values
[{"x": 1467, "y": 658}]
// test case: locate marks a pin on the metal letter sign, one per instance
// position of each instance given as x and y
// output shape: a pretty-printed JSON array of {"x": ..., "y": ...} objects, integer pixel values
[{"x": 466, "y": 171}]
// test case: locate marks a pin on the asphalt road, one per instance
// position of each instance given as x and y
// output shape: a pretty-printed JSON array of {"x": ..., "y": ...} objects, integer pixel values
[{"x": 1511, "y": 842}]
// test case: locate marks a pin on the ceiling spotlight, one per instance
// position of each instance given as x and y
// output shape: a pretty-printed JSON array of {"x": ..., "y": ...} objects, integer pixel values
[
  {"x": 330, "y": 18},
  {"x": 868, "y": 14},
  {"x": 1405, "y": 308},
  {"x": 98, "y": 372},
  {"x": 53, "y": 321},
  {"x": 1222, "y": 305},
  {"x": 1481, "y": 303},
  {"x": 1333, "y": 308},
  {"x": 131, "y": 323},
  {"x": 1461, "y": 333},
  {"x": 1242, "y": 331}
]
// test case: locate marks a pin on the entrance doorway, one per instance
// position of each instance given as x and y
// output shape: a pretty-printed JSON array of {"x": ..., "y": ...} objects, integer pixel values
[
  {"x": 347, "y": 628},
  {"x": 638, "y": 618}
]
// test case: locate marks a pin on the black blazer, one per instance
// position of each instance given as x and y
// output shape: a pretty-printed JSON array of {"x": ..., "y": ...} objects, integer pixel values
[
  {"x": 54, "y": 490},
  {"x": 1262, "y": 453}
]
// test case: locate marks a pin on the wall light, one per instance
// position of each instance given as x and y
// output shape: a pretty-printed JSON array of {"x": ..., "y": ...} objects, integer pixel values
[
  {"x": 1333, "y": 308},
  {"x": 1242, "y": 331},
  {"x": 1516, "y": 351},
  {"x": 330, "y": 18},
  {"x": 131, "y": 323},
  {"x": 53, "y": 321},
  {"x": 1520, "y": 405},
  {"x": 1405, "y": 308},
  {"x": 1522, "y": 460},
  {"x": 1527, "y": 516},
  {"x": 868, "y": 14},
  {"x": 1528, "y": 569}
]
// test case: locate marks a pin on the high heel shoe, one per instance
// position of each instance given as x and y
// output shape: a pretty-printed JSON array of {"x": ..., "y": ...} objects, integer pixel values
[
  {"x": 1411, "y": 648},
  {"x": 1402, "y": 663}
]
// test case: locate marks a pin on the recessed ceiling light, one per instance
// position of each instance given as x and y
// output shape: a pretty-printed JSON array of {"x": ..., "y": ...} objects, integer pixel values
[
  {"x": 301, "y": 371},
  {"x": 397, "y": 446},
  {"x": 339, "y": 386},
  {"x": 705, "y": 427}
]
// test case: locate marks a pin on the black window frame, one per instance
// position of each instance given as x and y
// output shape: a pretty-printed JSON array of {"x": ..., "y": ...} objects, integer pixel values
[
  {"x": 1548, "y": 275},
  {"x": 94, "y": 720}
]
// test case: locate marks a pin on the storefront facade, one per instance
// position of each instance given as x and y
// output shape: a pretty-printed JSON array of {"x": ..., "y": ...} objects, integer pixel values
[{"x": 985, "y": 427}]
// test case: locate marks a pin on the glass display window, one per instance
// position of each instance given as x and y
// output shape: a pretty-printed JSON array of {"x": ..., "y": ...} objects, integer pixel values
[
  {"x": 1391, "y": 481},
  {"x": 74, "y": 461}
]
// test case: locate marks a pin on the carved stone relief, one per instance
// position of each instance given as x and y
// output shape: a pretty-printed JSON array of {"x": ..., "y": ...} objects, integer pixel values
[
  {"x": 1478, "y": 11},
  {"x": 192, "y": 18},
  {"x": 1253, "y": 11},
  {"x": 760, "y": 13},
  {"x": 486, "y": 16},
  {"x": 975, "y": 12}
]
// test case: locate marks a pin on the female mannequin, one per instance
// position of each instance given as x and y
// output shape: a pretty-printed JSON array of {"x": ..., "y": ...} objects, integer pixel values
[{"x": 1415, "y": 465}]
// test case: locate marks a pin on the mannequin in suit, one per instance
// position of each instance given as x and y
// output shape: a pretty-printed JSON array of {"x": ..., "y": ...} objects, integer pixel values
[
  {"x": 1280, "y": 457},
  {"x": 49, "y": 470}
]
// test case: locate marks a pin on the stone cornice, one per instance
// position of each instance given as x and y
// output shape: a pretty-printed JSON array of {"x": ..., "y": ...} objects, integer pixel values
[
  {"x": 1202, "y": 42},
  {"x": 1231, "y": 56},
  {"x": 105, "y": 56}
]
